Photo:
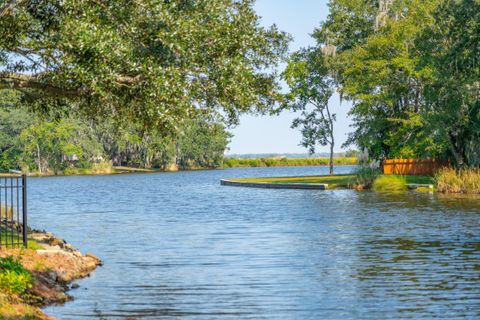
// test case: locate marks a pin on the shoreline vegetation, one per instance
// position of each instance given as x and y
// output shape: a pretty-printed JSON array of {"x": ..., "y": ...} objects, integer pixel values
[
  {"x": 40, "y": 275},
  {"x": 105, "y": 169},
  {"x": 446, "y": 180}
]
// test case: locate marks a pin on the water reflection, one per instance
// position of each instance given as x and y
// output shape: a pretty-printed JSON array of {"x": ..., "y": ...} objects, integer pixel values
[
  {"x": 421, "y": 278},
  {"x": 463, "y": 202},
  {"x": 423, "y": 256},
  {"x": 422, "y": 201}
]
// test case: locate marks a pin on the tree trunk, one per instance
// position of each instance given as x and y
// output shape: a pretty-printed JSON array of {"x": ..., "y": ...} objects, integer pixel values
[
  {"x": 331, "y": 156},
  {"x": 332, "y": 139},
  {"x": 457, "y": 149},
  {"x": 39, "y": 159}
]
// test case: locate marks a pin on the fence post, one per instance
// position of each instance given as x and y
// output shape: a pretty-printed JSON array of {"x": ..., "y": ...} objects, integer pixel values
[{"x": 24, "y": 210}]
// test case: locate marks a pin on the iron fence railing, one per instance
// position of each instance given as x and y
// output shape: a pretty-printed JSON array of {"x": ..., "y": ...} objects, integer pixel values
[{"x": 13, "y": 211}]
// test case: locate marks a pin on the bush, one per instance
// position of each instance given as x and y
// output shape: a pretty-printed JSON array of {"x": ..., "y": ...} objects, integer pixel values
[
  {"x": 365, "y": 176},
  {"x": 450, "y": 180},
  {"x": 390, "y": 184},
  {"x": 14, "y": 278}
]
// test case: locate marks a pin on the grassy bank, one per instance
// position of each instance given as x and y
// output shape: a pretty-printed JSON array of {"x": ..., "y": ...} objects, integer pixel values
[
  {"x": 94, "y": 171},
  {"x": 285, "y": 162},
  {"x": 335, "y": 181}
]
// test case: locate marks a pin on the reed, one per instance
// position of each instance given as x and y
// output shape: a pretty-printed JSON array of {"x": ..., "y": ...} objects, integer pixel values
[{"x": 450, "y": 180}]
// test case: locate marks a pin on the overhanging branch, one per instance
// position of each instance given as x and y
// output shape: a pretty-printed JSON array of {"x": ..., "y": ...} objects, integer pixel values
[
  {"x": 10, "y": 80},
  {"x": 16, "y": 81}
]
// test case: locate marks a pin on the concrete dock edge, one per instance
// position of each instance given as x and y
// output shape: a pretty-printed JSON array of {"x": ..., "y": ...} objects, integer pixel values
[{"x": 302, "y": 186}]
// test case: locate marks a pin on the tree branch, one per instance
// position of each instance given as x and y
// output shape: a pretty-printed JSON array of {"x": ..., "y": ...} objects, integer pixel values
[
  {"x": 17, "y": 81},
  {"x": 318, "y": 107},
  {"x": 26, "y": 54},
  {"x": 129, "y": 80},
  {"x": 10, "y": 80}
]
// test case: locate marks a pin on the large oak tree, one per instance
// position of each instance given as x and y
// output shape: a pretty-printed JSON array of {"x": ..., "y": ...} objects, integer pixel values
[{"x": 157, "y": 62}]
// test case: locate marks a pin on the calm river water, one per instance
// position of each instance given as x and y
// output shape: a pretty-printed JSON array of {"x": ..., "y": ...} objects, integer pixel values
[{"x": 179, "y": 245}]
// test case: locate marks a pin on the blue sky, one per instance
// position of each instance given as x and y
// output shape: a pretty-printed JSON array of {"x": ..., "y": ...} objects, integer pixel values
[{"x": 268, "y": 134}]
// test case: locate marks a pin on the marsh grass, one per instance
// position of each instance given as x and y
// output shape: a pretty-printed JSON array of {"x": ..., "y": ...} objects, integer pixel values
[
  {"x": 285, "y": 162},
  {"x": 450, "y": 180},
  {"x": 390, "y": 183}
]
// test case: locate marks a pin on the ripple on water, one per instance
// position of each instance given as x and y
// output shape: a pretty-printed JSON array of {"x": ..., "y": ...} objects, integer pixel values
[{"x": 179, "y": 245}]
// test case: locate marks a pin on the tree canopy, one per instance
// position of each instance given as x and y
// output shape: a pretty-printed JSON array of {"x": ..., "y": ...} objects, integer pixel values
[
  {"x": 411, "y": 70},
  {"x": 46, "y": 145},
  {"x": 154, "y": 62}
]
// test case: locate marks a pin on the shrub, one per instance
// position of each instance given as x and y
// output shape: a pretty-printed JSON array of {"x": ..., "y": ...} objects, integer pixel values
[
  {"x": 12, "y": 282},
  {"x": 14, "y": 278},
  {"x": 365, "y": 176},
  {"x": 450, "y": 180},
  {"x": 390, "y": 183}
]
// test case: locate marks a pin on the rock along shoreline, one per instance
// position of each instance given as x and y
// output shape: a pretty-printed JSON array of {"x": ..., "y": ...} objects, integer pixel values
[{"x": 54, "y": 267}]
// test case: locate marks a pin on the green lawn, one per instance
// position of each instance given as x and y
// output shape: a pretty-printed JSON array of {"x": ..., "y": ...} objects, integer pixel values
[{"x": 335, "y": 181}]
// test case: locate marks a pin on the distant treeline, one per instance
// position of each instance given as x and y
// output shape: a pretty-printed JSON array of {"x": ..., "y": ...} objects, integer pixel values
[
  {"x": 348, "y": 153},
  {"x": 49, "y": 144},
  {"x": 285, "y": 162}
]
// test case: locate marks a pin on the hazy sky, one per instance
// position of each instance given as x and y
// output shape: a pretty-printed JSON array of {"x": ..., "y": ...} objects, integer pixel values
[{"x": 268, "y": 134}]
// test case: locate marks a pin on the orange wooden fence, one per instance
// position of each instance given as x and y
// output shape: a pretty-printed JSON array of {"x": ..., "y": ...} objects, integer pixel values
[{"x": 427, "y": 167}]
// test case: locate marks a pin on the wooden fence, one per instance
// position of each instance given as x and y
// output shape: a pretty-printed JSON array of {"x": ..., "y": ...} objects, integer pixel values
[{"x": 427, "y": 167}]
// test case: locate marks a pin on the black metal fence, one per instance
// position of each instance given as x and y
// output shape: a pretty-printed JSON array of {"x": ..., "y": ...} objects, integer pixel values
[{"x": 13, "y": 211}]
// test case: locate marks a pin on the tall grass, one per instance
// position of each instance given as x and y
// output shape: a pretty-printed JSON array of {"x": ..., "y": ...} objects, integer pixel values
[
  {"x": 388, "y": 183},
  {"x": 450, "y": 180},
  {"x": 285, "y": 162}
]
